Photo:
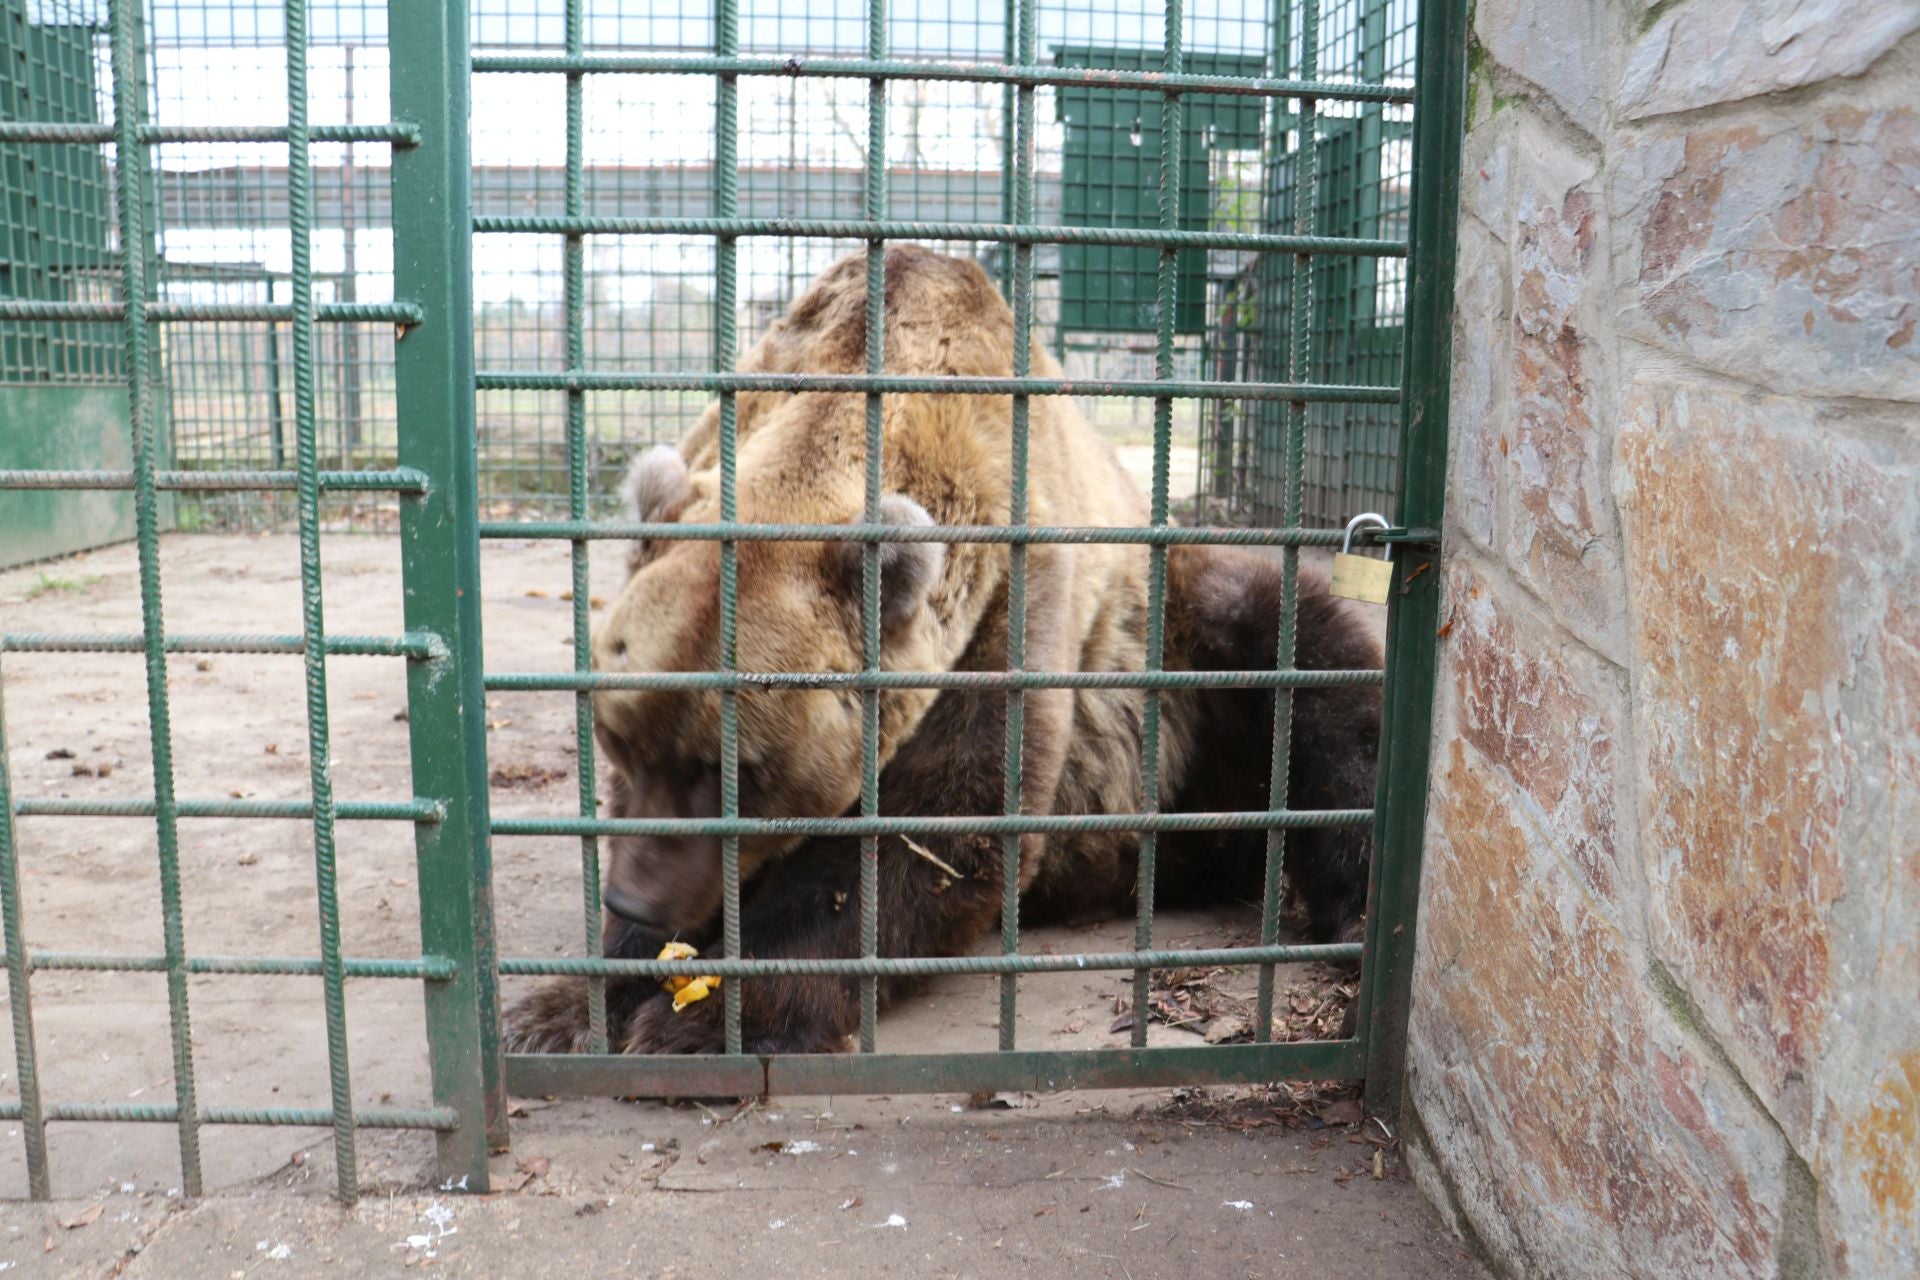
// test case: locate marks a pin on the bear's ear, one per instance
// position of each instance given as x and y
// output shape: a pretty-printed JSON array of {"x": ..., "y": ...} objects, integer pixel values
[
  {"x": 657, "y": 489},
  {"x": 908, "y": 570}
]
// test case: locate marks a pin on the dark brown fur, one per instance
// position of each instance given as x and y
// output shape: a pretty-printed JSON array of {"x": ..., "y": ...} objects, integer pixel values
[{"x": 1223, "y": 610}]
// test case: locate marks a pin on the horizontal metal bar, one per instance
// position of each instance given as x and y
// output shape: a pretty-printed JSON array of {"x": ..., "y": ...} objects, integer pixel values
[
  {"x": 927, "y": 966},
  {"x": 183, "y": 312},
  {"x": 1026, "y": 823},
  {"x": 428, "y": 968},
  {"x": 439, "y": 1118},
  {"x": 375, "y": 811},
  {"x": 991, "y": 233},
  {"x": 913, "y": 384},
  {"x": 398, "y": 480},
  {"x": 421, "y": 648},
  {"x": 569, "y": 530},
  {"x": 978, "y": 72},
  {"x": 577, "y": 681},
  {"x": 398, "y": 134},
  {"x": 1019, "y": 1071}
]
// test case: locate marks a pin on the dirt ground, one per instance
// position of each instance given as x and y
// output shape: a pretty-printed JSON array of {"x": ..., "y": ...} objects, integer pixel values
[{"x": 1135, "y": 1184}]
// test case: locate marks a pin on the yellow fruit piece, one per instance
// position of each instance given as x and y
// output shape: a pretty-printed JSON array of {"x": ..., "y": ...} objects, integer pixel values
[
  {"x": 696, "y": 989},
  {"x": 684, "y": 989}
]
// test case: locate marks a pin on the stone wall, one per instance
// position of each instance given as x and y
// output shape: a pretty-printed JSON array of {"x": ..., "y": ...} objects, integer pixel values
[{"x": 1667, "y": 996}]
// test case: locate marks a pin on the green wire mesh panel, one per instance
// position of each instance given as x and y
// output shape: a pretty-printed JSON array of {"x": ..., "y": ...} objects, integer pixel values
[
  {"x": 1360, "y": 189},
  {"x": 1119, "y": 168},
  {"x": 169, "y": 245},
  {"x": 61, "y": 402},
  {"x": 332, "y": 280}
]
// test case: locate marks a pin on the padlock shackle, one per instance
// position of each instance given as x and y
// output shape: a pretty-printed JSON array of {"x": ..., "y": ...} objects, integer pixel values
[{"x": 1380, "y": 521}]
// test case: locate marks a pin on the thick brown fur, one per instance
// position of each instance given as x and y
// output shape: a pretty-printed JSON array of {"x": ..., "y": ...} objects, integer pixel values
[{"x": 801, "y": 460}]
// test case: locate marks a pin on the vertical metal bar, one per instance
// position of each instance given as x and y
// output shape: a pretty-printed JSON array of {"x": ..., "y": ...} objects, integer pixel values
[
  {"x": 440, "y": 566},
  {"x": 1299, "y": 368},
  {"x": 313, "y": 614},
  {"x": 1439, "y": 123},
  {"x": 1166, "y": 304},
  {"x": 575, "y": 304},
  {"x": 876, "y": 210},
  {"x": 1023, "y": 160},
  {"x": 1009, "y": 146},
  {"x": 130, "y": 165},
  {"x": 33, "y": 1125},
  {"x": 726, "y": 201}
]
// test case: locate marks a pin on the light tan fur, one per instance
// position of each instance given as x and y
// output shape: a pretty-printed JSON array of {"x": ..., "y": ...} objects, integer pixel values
[{"x": 801, "y": 460}]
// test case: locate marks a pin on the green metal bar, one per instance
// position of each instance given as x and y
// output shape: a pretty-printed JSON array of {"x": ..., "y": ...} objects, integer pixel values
[
  {"x": 726, "y": 198},
  {"x": 430, "y": 968},
  {"x": 1251, "y": 820},
  {"x": 980, "y": 72},
  {"x": 440, "y": 565},
  {"x": 198, "y": 312},
  {"x": 426, "y": 812},
  {"x": 26, "y": 1058},
  {"x": 129, "y": 106},
  {"x": 1016, "y": 233},
  {"x": 844, "y": 1074},
  {"x": 400, "y": 480},
  {"x": 575, "y": 298},
  {"x": 418, "y": 647},
  {"x": 398, "y": 134},
  {"x": 1017, "y": 514},
  {"x": 531, "y": 682},
  {"x": 1414, "y": 607},
  {"x": 1166, "y": 306},
  {"x": 305, "y": 1117},
  {"x": 935, "y": 966},
  {"x": 1010, "y": 50},
  {"x": 1299, "y": 364},
  {"x": 312, "y": 607},
  {"x": 875, "y": 208},
  {"x": 988, "y": 533},
  {"x": 909, "y": 384}
]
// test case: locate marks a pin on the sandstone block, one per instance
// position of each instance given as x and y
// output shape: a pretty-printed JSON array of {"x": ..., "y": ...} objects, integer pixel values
[
  {"x": 1780, "y": 254},
  {"x": 1697, "y": 55}
]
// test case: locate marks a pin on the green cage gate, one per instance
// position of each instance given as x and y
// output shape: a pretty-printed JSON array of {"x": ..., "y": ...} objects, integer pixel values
[{"x": 203, "y": 271}]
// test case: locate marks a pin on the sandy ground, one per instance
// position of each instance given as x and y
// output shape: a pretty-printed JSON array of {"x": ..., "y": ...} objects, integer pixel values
[{"x": 712, "y": 1197}]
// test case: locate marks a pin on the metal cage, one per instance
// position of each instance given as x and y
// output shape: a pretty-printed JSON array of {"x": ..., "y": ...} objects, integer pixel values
[{"x": 309, "y": 386}]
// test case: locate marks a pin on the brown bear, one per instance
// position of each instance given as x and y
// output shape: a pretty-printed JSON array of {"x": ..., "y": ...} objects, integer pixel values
[{"x": 947, "y": 459}]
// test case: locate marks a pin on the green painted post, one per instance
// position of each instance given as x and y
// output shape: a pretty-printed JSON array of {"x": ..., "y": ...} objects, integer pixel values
[
  {"x": 1299, "y": 367},
  {"x": 26, "y": 1060},
  {"x": 1166, "y": 307},
  {"x": 440, "y": 563},
  {"x": 313, "y": 615},
  {"x": 575, "y": 303},
  {"x": 129, "y": 107},
  {"x": 875, "y": 202},
  {"x": 1017, "y": 515},
  {"x": 1394, "y": 896}
]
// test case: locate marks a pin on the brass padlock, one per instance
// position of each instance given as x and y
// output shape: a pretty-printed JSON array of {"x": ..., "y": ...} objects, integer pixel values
[{"x": 1363, "y": 578}]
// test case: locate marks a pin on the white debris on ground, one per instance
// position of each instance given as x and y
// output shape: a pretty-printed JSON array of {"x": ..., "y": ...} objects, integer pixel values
[{"x": 439, "y": 1220}]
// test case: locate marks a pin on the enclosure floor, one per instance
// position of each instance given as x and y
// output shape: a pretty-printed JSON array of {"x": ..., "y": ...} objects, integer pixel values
[{"x": 239, "y": 730}]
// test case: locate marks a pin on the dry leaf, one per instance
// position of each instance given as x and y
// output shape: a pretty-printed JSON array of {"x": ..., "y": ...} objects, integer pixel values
[
  {"x": 1046, "y": 1212},
  {"x": 535, "y": 593},
  {"x": 85, "y": 1217},
  {"x": 1344, "y": 1111},
  {"x": 59, "y": 753}
]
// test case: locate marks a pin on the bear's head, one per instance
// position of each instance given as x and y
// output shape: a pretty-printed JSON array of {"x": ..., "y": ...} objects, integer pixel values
[{"x": 798, "y": 610}]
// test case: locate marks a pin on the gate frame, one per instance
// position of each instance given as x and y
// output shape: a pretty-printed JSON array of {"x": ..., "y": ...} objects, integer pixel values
[{"x": 441, "y": 533}]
